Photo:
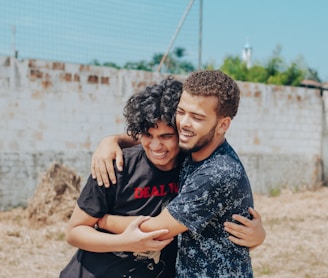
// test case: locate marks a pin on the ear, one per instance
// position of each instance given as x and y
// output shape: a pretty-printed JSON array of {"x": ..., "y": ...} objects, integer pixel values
[{"x": 223, "y": 125}]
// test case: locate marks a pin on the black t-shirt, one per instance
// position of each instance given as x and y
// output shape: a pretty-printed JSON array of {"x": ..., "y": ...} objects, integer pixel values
[{"x": 141, "y": 189}]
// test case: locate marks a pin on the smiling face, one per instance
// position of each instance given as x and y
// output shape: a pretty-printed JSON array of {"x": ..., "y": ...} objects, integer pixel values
[
  {"x": 200, "y": 129},
  {"x": 161, "y": 145}
]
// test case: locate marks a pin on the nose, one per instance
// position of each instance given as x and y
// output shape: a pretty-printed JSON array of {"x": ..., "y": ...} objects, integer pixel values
[
  {"x": 155, "y": 144},
  {"x": 183, "y": 120}
]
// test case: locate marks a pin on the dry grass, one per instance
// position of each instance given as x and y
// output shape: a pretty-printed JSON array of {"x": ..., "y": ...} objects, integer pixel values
[{"x": 296, "y": 243}]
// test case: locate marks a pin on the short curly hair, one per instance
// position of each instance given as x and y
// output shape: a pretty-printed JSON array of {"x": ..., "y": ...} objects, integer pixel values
[
  {"x": 215, "y": 83},
  {"x": 156, "y": 103}
]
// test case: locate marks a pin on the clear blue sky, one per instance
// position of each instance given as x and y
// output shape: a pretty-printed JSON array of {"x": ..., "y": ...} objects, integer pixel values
[{"x": 299, "y": 27}]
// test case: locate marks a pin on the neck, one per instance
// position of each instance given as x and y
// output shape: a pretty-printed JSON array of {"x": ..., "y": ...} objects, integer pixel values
[{"x": 207, "y": 150}]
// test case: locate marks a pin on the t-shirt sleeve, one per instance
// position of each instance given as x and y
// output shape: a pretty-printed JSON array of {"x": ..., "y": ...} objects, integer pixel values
[
  {"x": 94, "y": 199},
  {"x": 203, "y": 197}
]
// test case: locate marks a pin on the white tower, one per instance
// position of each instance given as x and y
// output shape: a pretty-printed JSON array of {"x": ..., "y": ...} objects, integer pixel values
[{"x": 247, "y": 55}]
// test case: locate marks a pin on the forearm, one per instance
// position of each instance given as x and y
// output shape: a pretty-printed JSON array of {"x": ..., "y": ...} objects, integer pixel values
[
  {"x": 89, "y": 239},
  {"x": 123, "y": 140},
  {"x": 115, "y": 223}
]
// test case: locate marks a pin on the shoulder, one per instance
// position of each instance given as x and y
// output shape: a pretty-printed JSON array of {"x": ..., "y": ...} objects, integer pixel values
[
  {"x": 133, "y": 154},
  {"x": 135, "y": 162},
  {"x": 225, "y": 158},
  {"x": 132, "y": 151}
]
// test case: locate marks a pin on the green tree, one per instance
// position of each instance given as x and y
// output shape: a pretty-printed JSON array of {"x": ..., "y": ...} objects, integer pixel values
[
  {"x": 275, "y": 64},
  {"x": 174, "y": 62},
  {"x": 179, "y": 52},
  {"x": 95, "y": 62},
  {"x": 294, "y": 75},
  {"x": 312, "y": 74},
  {"x": 274, "y": 71},
  {"x": 235, "y": 68},
  {"x": 141, "y": 65},
  {"x": 257, "y": 73},
  {"x": 111, "y": 65}
]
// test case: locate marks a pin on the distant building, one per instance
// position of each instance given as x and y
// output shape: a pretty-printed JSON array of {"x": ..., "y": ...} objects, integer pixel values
[
  {"x": 314, "y": 84},
  {"x": 247, "y": 55}
]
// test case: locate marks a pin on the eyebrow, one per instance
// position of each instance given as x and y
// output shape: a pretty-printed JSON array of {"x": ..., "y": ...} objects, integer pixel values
[
  {"x": 193, "y": 113},
  {"x": 165, "y": 134}
]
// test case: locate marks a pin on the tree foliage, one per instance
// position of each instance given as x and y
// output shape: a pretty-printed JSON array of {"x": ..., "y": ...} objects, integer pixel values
[
  {"x": 274, "y": 71},
  {"x": 174, "y": 63}
]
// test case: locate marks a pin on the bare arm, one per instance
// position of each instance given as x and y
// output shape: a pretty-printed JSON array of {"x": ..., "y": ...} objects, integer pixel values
[
  {"x": 251, "y": 233},
  {"x": 164, "y": 220},
  {"x": 82, "y": 234},
  {"x": 108, "y": 150}
]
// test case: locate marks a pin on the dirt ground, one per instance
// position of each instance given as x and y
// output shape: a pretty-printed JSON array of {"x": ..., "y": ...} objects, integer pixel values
[{"x": 296, "y": 245}]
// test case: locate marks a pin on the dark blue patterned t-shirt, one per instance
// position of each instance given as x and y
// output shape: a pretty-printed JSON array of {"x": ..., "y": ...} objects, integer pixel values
[{"x": 210, "y": 192}]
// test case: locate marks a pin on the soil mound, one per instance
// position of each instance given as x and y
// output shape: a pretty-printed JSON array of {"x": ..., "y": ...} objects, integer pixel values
[{"x": 55, "y": 197}]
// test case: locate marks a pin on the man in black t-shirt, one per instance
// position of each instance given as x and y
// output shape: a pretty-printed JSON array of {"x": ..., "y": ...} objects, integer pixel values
[{"x": 145, "y": 186}]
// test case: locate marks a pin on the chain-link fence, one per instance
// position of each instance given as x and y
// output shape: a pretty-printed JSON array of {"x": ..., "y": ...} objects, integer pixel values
[{"x": 84, "y": 32}]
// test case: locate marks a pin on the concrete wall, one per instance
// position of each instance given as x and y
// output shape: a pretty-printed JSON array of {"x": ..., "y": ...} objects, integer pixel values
[
  {"x": 56, "y": 112},
  {"x": 279, "y": 134}
]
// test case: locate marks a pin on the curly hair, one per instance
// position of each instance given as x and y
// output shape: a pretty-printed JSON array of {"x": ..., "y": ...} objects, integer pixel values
[
  {"x": 215, "y": 83},
  {"x": 156, "y": 103}
]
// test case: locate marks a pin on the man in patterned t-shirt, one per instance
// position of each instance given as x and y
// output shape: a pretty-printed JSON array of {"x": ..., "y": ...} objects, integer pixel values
[{"x": 213, "y": 185}]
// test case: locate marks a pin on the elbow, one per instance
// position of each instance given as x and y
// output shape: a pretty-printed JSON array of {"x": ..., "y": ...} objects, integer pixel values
[
  {"x": 264, "y": 236},
  {"x": 69, "y": 237}
]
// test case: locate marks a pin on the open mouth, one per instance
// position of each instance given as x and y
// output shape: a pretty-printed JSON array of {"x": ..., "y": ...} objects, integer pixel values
[
  {"x": 158, "y": 155},
  {"x": 185, "y": 135}
]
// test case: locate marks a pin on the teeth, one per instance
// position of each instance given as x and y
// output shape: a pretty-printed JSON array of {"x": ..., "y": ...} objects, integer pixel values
[
  {"x": 186, "y": 134},
  {"x": 158, "y": 155}
]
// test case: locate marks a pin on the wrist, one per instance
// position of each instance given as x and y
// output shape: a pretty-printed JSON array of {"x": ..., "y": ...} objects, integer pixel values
[{"x": 102, "y": 222}]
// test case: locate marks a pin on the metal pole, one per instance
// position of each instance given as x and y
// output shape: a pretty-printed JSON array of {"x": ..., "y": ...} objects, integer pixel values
[
  {"x": 13, "y": 40},
  {"x": 175, "y": 35},
  {"x": 200, "y": 34}
]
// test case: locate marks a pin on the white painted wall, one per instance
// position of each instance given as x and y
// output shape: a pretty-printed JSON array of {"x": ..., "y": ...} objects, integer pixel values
[{"x": 56, "y": 112}]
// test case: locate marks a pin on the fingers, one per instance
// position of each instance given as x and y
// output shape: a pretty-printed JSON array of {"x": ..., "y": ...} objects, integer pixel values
[
  {"x": 154, "y": 244},
  {"x": 93, "y": 166},
  {"x": 108, "y": 173},
  {"x": 100, "y": 170},
  {"x": 236, "y": 230},
  {"x": 139, "y": 220},
  {"x": 158, "y": 233},
  {"x": 148, "y": 239},
  {"x": 160, "y": 244},
  {"x": 119, "y": 160},
  {"x": 96, "y": 170},
  {"x": 110, "y": 167},
  {"x": 239, "y": 234},
  {"x": 249, "y": 233},
  {"x": 238, "y": 241},
  {"x": 154, "y": 234},
  {"x": 104, "y": 172},
  {"x": 242, "y": 220},
  {"x": 254, "y": 213}
]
